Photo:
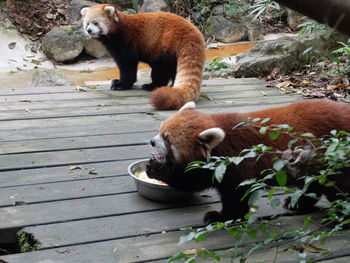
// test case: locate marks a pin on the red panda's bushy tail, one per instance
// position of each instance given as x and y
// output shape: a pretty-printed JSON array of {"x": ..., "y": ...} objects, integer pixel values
[{"x": 187, "y": 81}]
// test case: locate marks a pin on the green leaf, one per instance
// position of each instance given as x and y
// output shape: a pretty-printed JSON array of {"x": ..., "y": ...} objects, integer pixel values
[
  {"x": 275, "y": 203},
  {"x": 307, "y": 134},
  {"x": 263, "y": 130},
  {"x": 307, "y": 221},
  {"x": 247, "y": 182},
  {"x": 252, "y": 233},
  {"x": 281, "y": 178},
  {"x": 271, "y": 192},
  {"x": 295, "y": 197},
  {"x": 187, "y": 237},
  {"x": 264, "y": 120},
  {"x": 177, "y": 257},
  {"x": 220, "y": 172},
  {"x": 256, "y": 195},
  {"x": 236, "y": 160},
  {"x": 274, "y": 135},
  {"x": 279, "y": 164},
  {"x": 201, "y": 236}
]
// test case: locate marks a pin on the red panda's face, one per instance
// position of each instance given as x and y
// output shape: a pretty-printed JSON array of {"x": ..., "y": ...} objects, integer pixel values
[
  {"x": 188, "y": 136},
  {"x": 98, "y": 20}
]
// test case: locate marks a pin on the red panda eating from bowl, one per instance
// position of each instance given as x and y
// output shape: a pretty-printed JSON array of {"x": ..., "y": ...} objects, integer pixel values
[{"x": 191, "y": 135}]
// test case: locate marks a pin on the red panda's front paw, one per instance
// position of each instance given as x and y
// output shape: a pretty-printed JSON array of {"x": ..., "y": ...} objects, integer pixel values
[
  {"x": 153, "y": 168},
  {"x": 148, "y": 87},
  {"x": 213, "y": 216},
  {"x": 117, "y": 85}
]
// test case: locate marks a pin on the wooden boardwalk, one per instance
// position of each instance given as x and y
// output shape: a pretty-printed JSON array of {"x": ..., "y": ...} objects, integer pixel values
[{"x": 64, "y": 154}]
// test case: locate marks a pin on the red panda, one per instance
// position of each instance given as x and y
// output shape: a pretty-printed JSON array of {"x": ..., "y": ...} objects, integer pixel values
[
  {"x": 191, "y": 135},
  {"x": 170, "y": 44}
]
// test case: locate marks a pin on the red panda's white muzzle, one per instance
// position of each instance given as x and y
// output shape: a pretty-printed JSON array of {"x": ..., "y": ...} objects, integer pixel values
[{"x": 159, "y": 149}]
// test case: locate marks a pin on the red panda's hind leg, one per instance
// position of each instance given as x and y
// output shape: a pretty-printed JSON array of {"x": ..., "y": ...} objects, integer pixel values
[{"x": 163, "y": 71}]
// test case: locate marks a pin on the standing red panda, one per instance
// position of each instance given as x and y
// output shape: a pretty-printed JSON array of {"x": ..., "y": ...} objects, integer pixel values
[
  {"x": 171, "y": 45},
  {"x": 191, "y": 135}
]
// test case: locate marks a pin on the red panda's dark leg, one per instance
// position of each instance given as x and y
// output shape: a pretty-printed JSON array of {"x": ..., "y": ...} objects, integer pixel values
[
  {"x": 128, "y": 73},
  {"x": 305, "y": 204},
  {"x": 126, "y": 59},
  {"x": 163, "y": 71},
  {"x": 232, "y": 205}
]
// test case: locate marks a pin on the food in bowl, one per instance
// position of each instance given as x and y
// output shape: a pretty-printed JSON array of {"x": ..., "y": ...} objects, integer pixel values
[
  {"x": 143, "y": 176},
  {"x": 153, "y": 189}
]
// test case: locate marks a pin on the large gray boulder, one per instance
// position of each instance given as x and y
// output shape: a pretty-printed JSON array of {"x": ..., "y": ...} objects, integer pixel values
[
  {"x": 224, "y": 30},
  {"x": 73, "y": 10},
  {"x": 152, "y": 6},
  {"x": 286, "y": 54},
  {"x": 122, "y": 4},
  {"x": 62, "y": 44},
  {"x": 49, "y": 77},
  {"x": 294, "y": 19}
]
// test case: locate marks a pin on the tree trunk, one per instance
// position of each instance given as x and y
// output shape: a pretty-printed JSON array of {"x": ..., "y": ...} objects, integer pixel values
[{"x": 335, "y": 13}]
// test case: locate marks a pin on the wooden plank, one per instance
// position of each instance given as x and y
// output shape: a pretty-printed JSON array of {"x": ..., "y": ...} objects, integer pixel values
[
  {"x": 87, "y": 127},
  {"x": 63, "y": 174},
  {"x": 138, "y": 224},
  {"x": 147, "y": 223},
  {"x": 149, "y": 248},
  {"x": 110, "y": 100},
  {"x": 72, "y": 157},
  {"x": 31, "y": 194},
  {"x": 61, "y": 89},
  {"x": 223, "y": 99},
  {"x": 99, "y": 121},
  {"x": 84, "y": 208},
  {"x": 81, "y": 142},
  {"x": 228, "y": 104}
]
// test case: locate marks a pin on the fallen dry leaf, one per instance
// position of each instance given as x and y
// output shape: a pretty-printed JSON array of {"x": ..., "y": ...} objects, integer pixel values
[
  {"x": 65, "y": 252},
  {"x": 204, "y": 96},
  {"x": 338, "y": 86},
  {"x": 284, "y": 84},
  {"x": 195, "y": 251},
  {"x": 312, "y": 248},
  {"x": 74, "y": 167}
]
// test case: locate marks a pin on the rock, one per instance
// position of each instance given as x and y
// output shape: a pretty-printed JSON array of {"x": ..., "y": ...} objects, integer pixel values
[
  {"x": 62, "y": 44},
  {"x": 224, "y": 30},
  {"x": 49, "y": 77},
  {"x": 120, "y": 4},
  {"x": 153, "y": 6},
  {"x": 225, "y": 10},
  {"x": 286, "y": 54},
  {"x": 73, "y": 10},
  {"x": 294, "y": 19},
  {"x": 95, "y": 48},
  {"x": 254, "y": 31}
]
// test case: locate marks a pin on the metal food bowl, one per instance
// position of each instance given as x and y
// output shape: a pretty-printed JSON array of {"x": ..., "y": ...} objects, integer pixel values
[{"x": 153, "y": 191}]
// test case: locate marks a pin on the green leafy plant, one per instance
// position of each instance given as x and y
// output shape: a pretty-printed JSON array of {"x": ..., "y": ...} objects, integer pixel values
[
  {"x": 309, "y": 27},
  {"x": 342, "y": 58},
  {"x": 26, "y": 242},
  {"x": 262, "y": 7},
  {"x": 331, "y": 153},
  {"x": 215, "y": 64}
]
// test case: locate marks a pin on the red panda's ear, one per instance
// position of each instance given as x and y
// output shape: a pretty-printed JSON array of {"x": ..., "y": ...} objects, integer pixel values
[
  {"x": 212, "y": 137},
  {"x": 110, "y": 11},
  {"x": 84, "y": 11},
  {"x": 188, "y": 105}
]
